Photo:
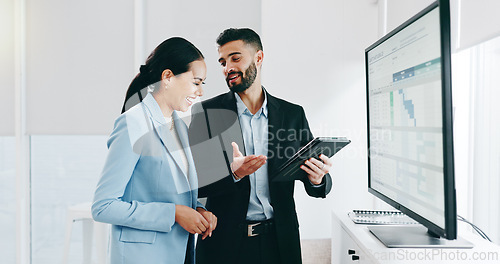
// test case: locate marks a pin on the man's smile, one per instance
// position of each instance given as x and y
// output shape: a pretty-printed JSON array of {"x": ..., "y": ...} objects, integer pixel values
[{"x": 233, "y": 77}]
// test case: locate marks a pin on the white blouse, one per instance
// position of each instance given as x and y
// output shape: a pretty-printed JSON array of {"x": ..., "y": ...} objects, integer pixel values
[{"x": 173, "y": 131}]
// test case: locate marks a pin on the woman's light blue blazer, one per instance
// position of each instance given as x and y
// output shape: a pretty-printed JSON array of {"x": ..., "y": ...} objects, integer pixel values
[{"x": 140, "y": 185}]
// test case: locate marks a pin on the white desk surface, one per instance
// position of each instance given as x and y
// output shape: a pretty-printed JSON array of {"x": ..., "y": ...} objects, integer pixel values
[{"x": 483, "y": 252}]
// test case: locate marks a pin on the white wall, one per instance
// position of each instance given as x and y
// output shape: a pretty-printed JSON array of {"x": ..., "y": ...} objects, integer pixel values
[
  {"x": 314, "y": 56},
  {"x": 479, "y": 21},
  {"x": 81, "y": 56},
  {"x": 398, "y": 11},
  {"x": 7, "y": 67}
]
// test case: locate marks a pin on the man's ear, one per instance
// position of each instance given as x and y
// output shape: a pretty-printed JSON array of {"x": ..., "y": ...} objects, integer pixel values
[{"x": 259, "y": 58}]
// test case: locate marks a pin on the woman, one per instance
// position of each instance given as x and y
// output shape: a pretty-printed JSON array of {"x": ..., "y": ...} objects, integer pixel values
[{"x": 148, "y": 187}]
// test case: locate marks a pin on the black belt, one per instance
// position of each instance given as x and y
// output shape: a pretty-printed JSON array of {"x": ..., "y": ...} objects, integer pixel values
[{"x": 255, "y": 228}]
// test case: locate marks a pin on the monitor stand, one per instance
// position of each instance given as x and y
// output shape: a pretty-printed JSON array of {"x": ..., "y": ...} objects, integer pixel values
[{"x": 414, "y": 237}]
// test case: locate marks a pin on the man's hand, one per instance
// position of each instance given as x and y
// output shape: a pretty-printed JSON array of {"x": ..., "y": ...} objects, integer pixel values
[
  {"x": 190, "y": 219},
  {"x": 316, "y": 169},
  {"x": 245, "y": 165},
  {"x": 211, "y": 219}
]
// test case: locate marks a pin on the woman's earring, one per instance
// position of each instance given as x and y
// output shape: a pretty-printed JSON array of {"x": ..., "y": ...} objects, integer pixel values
[{"x": 165, "y": 80}]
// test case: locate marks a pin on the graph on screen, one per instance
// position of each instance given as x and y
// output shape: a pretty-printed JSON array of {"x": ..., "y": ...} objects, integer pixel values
[{"x": 405, "y": 102}]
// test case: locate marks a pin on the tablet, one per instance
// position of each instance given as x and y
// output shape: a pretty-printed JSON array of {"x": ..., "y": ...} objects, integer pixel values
[{"x": 328, "y": 146}]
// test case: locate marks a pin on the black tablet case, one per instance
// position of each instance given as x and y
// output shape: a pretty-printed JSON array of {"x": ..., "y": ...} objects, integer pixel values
[{"x": 328, "y": 146}]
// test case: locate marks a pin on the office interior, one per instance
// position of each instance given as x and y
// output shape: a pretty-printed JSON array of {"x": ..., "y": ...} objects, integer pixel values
[{"x": 66, "y": 65}]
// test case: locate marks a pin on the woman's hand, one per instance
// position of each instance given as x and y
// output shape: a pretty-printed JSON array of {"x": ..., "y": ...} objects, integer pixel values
[
  {"x": 212, "y": 220},
  {"x": 190, "y": 219}
]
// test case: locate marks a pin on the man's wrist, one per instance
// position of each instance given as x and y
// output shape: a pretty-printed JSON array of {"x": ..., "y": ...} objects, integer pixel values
[
  {"x": 315, "y": 184},
  {"x": 321, "y": 183},
  {"x": 236, "y": 177}
]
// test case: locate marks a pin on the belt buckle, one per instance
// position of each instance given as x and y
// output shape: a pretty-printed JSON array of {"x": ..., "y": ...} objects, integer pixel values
[{"x": 250, "y": 229}]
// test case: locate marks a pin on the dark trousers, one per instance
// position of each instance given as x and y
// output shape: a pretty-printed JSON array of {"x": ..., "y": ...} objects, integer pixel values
[
  {"x": 260, "y": 249},
  {"x": 190, "y": 257}
]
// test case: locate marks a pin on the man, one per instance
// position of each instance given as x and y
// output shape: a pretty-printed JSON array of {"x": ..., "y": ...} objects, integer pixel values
[{"x": 257, "y": 221}]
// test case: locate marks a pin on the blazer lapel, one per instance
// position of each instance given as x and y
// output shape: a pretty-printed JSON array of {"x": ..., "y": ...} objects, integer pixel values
[
  {"x": 275, "y": 122},
  {"x": 182, "y": 131},
  {"x": 162, "y": 128},
  {"x": 233, "y": 124}
]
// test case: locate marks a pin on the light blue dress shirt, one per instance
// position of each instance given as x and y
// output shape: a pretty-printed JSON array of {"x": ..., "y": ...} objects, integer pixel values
[{"x": 255, "y": 130}]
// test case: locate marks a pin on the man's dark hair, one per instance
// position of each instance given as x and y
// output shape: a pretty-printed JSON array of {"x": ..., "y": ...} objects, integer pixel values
[{"x": 248, "y": 36}]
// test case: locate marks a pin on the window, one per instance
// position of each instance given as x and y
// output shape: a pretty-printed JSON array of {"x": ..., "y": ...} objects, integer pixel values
[
  {"x": 477, "y": 130},
  {"x": 8, "y": 198},
  {"x": 64, "y": 171}
]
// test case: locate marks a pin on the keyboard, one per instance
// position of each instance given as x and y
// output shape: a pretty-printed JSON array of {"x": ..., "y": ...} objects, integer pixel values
[{"x": 377, "y": 217}]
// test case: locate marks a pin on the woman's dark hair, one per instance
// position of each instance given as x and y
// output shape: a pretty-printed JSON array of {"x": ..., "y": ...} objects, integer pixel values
[{"x": 174, "y": 53}]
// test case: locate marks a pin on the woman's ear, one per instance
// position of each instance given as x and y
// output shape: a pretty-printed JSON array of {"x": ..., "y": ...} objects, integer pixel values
[{"x": 166, "y": 75}]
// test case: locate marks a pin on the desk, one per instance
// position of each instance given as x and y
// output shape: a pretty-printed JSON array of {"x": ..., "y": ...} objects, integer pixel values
[{"x": 353, "y": 243}]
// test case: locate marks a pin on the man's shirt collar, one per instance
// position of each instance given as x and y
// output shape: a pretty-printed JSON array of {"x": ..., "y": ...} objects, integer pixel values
[{"x": 243, "y": 109}]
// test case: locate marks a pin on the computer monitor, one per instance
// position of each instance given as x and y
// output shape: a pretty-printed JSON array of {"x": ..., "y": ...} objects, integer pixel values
[{"x": 410, "y": 135}]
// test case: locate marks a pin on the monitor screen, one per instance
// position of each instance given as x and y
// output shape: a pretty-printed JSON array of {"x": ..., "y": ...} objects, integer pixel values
[{"x": 409, "y": 121}]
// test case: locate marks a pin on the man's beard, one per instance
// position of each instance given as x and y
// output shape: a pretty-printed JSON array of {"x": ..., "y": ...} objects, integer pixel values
[{"x": 246, "y": 81}]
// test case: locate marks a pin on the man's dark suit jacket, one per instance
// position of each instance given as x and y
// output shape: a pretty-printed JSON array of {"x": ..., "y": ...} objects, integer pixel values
[{"x": 217, "y": 119}]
